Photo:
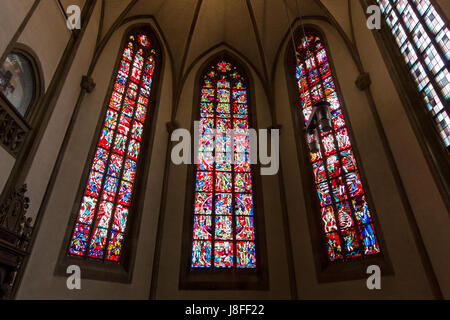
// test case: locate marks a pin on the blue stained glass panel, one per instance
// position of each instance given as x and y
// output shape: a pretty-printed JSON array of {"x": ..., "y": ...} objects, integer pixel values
[
  {"x": 246, "y": 252},
  {"x": 201, "y": 254}
]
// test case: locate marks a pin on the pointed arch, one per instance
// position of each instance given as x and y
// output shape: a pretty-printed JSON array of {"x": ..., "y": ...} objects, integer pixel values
[
  {"x": 223, "y": 222},
  {"x": 21, "y": 90},
  {"x": 341, "y": 207},
  {"x": 103, "y": 225},
  {"x": 223, "y": 198},
  {"x": 232, "y": 53}
]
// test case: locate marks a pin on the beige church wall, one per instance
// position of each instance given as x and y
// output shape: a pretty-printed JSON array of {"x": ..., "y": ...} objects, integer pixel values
[
  {"x": 50, "y": 144},
  {"x": 339, "y": 10},
  {"x": 427, "y": 205},
  {"x": 7, "y": 162},
  {"x": 39, "y": 281},
  {"x": 11, "y": 16},
  {"x": 409, "y": 280},
  {"x": 67, "y": 3},
  {"x": 47, "y": 34},
  {"x": 445, "y": 6},
  {"x": 169, "y": 264}
]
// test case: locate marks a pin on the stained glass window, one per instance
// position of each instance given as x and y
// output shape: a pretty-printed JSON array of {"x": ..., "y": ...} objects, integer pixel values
[
  {"x": 101, "y": 225},
  {"x": 424, "y": 41},
  {"x": 345, "y": 213},
  {"x": 223, "y": 226}
]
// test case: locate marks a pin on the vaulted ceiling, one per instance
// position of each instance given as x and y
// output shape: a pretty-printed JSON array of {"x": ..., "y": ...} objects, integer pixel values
[{"x": 254, "y": 28}]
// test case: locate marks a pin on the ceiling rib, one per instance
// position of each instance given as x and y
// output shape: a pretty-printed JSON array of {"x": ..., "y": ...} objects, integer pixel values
[
  {"x": 190, "y": 35},
  {"x": 105, "y": 39},
  {"x": 258, "y": 39},
  {"x": 178, "y": 83}
]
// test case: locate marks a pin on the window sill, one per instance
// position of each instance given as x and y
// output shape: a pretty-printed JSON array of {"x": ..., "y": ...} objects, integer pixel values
[
  {"x": 95, "y": 270},
  {"x": 223, "y": 280},
  {"x": 353, "y": 269}
]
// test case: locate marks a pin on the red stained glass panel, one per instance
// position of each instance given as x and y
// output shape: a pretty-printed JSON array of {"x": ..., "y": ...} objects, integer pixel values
[
  {"x": 345, "y": 213},
  {"x": 223, "y": 234},
  {"x": 104, "y": 210}
]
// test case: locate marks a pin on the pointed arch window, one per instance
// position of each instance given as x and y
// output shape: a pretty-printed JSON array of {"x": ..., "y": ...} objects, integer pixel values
[
  {"x": 102, "y": 221},
  {"x": 424, "y": 41},
  {"x": 17, "y": 82},
  {"x": 223, "y": 227},
  {"x": 21, "y": 90},
  {"x": 347, "y": 225}
]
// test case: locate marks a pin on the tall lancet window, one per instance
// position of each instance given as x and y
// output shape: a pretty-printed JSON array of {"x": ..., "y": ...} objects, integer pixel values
[
  {"x": 223, "y": 226},
  {"x": 101, "y": 225},
  {"x": 424, "y": 41},
  {"x": 346, "y": 217}
]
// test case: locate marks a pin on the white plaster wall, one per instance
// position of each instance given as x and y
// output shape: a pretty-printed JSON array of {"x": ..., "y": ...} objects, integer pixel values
[{"x": 39, "y": 281}]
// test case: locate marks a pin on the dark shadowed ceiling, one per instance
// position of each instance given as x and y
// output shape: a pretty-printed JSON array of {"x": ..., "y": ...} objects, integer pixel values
[{"x": 254, "y": 28}]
